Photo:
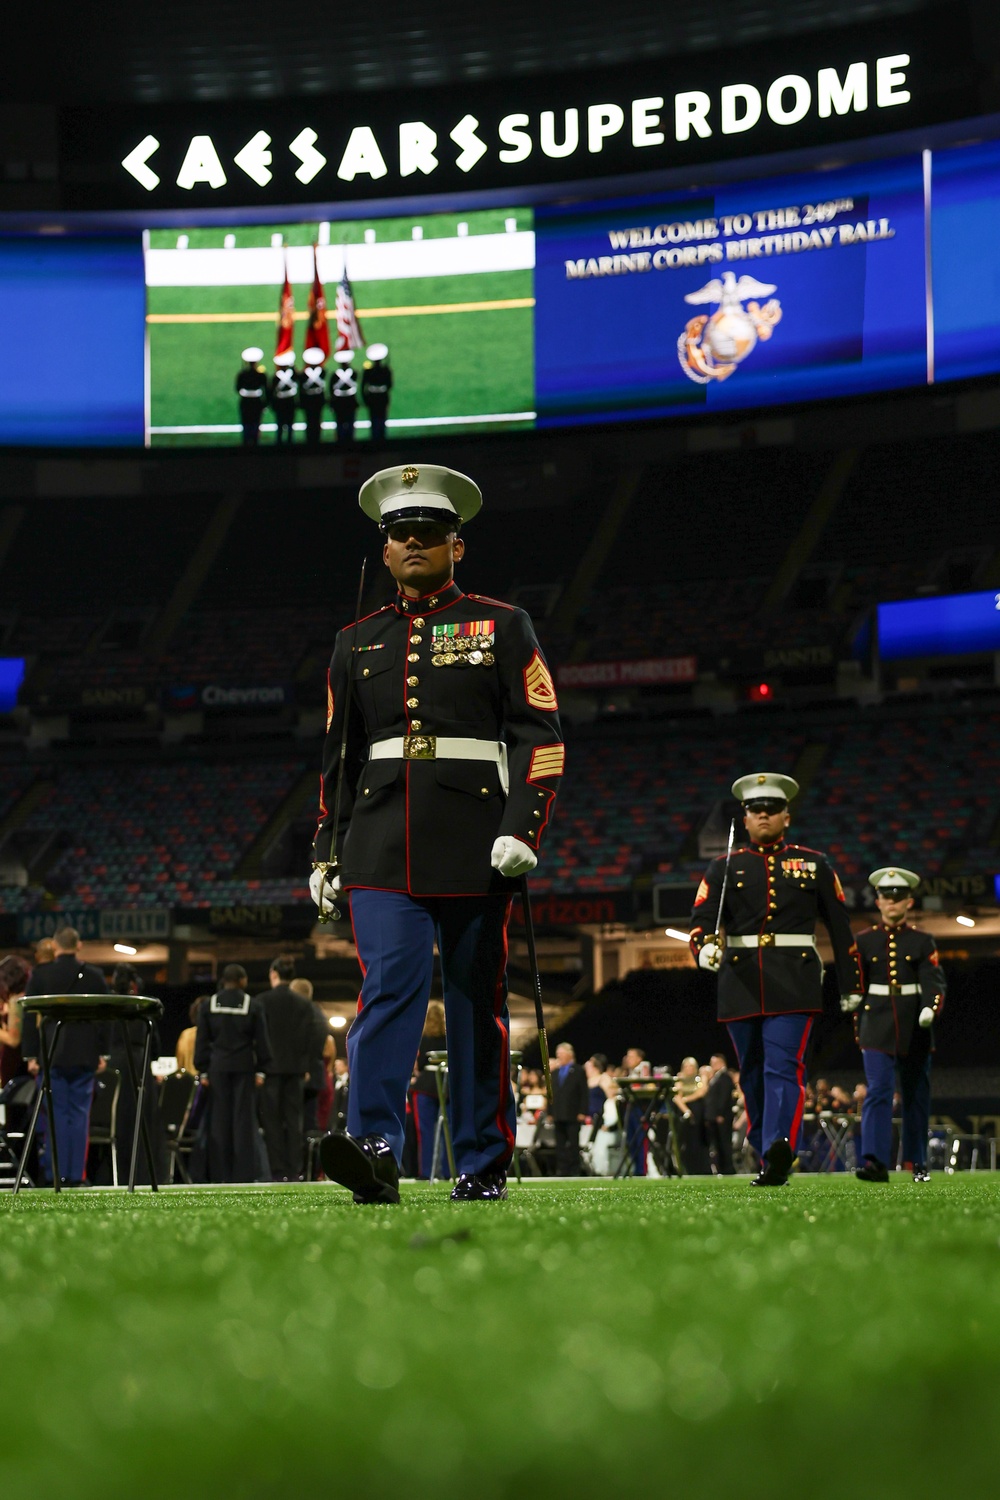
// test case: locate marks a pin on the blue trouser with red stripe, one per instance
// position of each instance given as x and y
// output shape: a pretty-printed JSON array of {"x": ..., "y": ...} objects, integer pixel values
[
  {"x": 395, "y": 936},
  {"x": 876, "y": 1112},
  {"x": 772, "y": 1058}
]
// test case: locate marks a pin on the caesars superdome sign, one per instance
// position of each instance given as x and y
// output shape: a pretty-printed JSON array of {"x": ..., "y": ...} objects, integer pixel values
[{"x": 805, "y": 91}]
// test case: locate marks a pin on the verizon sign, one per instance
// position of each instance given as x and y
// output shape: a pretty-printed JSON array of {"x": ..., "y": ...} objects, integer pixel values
[
  {"x": 704, "y": 107},
  {"x": 610, "y": 674}
]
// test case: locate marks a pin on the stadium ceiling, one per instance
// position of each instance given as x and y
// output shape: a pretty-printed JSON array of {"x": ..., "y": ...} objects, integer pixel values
[{"x": 243, "y": 49}]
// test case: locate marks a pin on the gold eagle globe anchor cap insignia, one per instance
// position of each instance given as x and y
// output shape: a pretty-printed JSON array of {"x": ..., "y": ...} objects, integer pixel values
[{"x": 428, "y": 492}]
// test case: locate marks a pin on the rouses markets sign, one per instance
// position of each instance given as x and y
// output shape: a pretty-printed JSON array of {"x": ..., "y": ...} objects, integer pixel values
[{"x": 809, "y": 90}]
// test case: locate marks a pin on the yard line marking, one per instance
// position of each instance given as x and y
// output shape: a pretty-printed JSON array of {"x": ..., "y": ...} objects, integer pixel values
[
  {"x": 362, "y": 312},
  {"x": 501, "y": 416}
]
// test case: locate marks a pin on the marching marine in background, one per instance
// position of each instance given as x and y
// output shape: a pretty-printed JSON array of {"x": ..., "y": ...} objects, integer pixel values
[
  {"x": 770, "y": 973},
  {"x": 251, "y": 387},
  {"x": 344, "y": 395},
  {"x": 453, "y": 760},
  {"x": 284, "y": 395},
  {"x": 313, "y": 395},
  {"x": 376, "y": 384},
  {"x": 904, "y": 988}
]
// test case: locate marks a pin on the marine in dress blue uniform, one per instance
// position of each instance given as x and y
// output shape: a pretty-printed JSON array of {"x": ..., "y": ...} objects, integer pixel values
[
  {"x": 770, "y": 972},
  {"x": 904, "y": 988},
  {"x": 453, "y": 763},
  {"x": 251, "y": 388},
  {"x": 312, "y": 394},
  {"x": 284, "y": 395}
]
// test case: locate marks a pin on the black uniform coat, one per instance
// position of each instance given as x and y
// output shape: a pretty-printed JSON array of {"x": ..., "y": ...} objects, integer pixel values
[
  {"x": 570, "y": 1096},
  {"x": 897, "y": 956},
  {"x": 232, "y": 1034},
  {"x": 427, "y": 827},
  {"x": 775, "y": 888},
  {"x": 291, "y": 1030},
  {"x": 81, "y": 1044},
  {"x": 251, "y": 387}
]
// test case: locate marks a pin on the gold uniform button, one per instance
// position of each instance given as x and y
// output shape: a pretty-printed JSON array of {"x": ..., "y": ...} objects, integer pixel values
[
  {"x": 413, "y": 656},
  {"x": 413, "y": 702},
  {"x": 413, "y": 682},
  {"x": 485, "y": 791},
  {"x": 367, "y": 791},
  {"x": 415, "y": 724},
  {"x": 536, "y": 815},
  {"x": 366, "y": 673},
  {"x": 434, "y": 601},
  {"x": 419, "y": 622},
  {"x": 415, "y": 640}
]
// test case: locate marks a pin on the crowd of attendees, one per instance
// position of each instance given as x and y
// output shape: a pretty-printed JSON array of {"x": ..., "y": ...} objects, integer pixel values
[{"x": 257, "y": 1079}]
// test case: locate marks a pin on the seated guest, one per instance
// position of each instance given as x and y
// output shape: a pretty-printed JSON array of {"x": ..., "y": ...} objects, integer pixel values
[{"x": 14, "y": 976}]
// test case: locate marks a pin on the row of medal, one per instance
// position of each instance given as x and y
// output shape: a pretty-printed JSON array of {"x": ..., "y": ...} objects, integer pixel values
[{"x": 463, "y": 651}]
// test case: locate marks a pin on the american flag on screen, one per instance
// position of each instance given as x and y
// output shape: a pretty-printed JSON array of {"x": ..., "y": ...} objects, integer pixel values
[
  {"x": 286, "y": 317},
  {"x": 348, "y": 328}
]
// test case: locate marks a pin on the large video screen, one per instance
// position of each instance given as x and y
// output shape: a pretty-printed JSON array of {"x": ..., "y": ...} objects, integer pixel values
[
  {"x": 872, "y": 276},
  {"x": 946, "y": 625},
  {"x": 449, "y": 295}
]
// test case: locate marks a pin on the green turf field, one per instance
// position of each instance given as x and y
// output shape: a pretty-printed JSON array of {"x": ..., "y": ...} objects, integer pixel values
[
  {"x": 445, "y": 363},
  {"x": 824, "y": 1340}
]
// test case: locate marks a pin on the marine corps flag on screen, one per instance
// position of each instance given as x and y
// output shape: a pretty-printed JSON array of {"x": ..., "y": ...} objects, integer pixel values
[
  {"x": 318, "y": 332},
  {"x": 286, "y": 317},
  {"x": 348, "y": 327}
]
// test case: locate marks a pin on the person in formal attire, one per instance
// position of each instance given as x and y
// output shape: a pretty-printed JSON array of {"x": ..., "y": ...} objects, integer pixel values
[
  {"x": 312, "y": 395},
  {"x": 251, "y": 388},
  {"x": 14, "y": 975},
  {"x": 376, "y": 389},
  {"x": 720, "y": 1099},
  {"x": 570, "y": 1101},
  {"x": 80, "y": 1052},
  {"x": 904, "y": 989},
  {"x": 769, "y": 968},
  {"x": 284, "y": 395},
  {"x": 344, "y": 395},
  {"x": 125, "y": 981},
  {"x": 231, "y": 1052},
  {"x": 453, "y": 762},
  {"x": 291, "y": 1026},
  {"x": 690, "y": 1090},
  {"x": 315, "y": 1080}
]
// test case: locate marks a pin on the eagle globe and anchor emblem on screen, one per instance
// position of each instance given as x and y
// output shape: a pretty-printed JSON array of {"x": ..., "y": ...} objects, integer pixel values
[{"x": 712, "y": 347}]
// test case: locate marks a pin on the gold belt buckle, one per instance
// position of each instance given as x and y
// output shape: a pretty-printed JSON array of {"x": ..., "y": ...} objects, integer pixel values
[
  {"x": 419, "y": 747},
  {"x": 766, "y": 940}
]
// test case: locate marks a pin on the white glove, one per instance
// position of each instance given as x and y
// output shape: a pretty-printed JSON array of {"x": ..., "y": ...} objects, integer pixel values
[
  {"x": 925, "y": 1017},
  {"x": 710, "y": 956},
  {"x": 324, "y": 891},
  {"x": 849, "y": 1003},
  {"x": 512, "y": 857}
]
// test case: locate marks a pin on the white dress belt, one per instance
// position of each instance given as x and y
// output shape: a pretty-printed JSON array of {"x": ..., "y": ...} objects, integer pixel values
[
  {"x": 893, "y": 989},
  {"x": 443, "y": 747},
  {"x": 772, "y": 940}
]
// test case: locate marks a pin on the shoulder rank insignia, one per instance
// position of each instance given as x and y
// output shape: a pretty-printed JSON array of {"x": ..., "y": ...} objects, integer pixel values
[
  {"x": 329, "y": 703},
  {"x": 702, "y": 893},
  {"x": 539, "y": 689}
]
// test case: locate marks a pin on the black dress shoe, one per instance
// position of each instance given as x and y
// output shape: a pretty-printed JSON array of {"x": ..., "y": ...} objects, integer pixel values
[
  {"x": 872, "y": 1171},
  {"x": 776, "y": 1166},
  {"x": 487, "y": 1187},
  {"x": 366, "y": 1166},
  {"x": 921, "y": 1174}
]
